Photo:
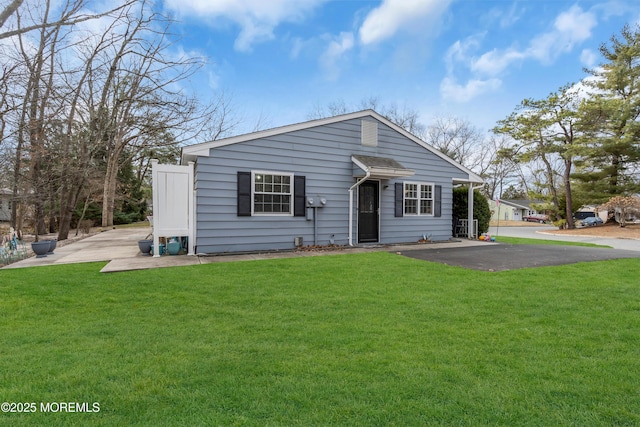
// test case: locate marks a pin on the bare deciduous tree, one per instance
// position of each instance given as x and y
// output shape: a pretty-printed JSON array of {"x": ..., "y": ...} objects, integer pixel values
[
  {"x": 404, "y": 117},
  {"x": 75, "y": 105},
  {"x": 70, "y": 18},
  {"x": 498, "y": 167},
  {"x": 457, "y": 138}
]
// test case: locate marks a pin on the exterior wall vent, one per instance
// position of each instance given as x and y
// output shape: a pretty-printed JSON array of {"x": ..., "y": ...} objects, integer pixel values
[{"x": 369, "y": 133}]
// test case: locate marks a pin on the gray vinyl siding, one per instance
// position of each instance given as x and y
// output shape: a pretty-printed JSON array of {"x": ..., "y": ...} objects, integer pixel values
[{"x": 323, "y": 155}]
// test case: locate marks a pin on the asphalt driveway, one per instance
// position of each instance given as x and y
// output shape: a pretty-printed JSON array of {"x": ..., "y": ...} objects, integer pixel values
[{"x": 500, "y": 256}]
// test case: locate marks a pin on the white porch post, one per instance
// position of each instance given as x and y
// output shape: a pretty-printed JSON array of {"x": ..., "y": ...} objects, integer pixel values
[{"x": 470, "y": 228}]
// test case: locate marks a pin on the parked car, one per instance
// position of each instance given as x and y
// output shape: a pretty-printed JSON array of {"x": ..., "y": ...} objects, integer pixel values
[
  {"x": 580, "y": 215},
  {"x": 537, "y": 218},
  {"x": 591, "y": 221}
]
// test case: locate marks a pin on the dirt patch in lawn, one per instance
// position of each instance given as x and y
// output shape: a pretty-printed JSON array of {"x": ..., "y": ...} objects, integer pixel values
[
  {"x": 609, "y": 230},
  {"x": 631, "y": 231}
]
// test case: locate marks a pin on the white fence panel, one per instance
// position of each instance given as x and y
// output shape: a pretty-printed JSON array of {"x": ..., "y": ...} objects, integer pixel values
[{"x": 173, "y": 203}]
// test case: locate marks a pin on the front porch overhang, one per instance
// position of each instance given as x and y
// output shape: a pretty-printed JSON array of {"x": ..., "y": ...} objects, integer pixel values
[{"x": 378, "y": 167}]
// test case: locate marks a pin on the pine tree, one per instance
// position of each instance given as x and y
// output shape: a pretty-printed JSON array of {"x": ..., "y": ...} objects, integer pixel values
[{"x": 609, "y": 164}]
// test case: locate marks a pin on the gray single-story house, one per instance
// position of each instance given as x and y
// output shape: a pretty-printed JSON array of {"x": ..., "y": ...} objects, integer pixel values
[{"x": 347, "y": 180}]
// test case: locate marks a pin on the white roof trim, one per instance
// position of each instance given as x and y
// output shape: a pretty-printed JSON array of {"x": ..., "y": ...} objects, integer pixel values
[{"x": 189, "y": 153}]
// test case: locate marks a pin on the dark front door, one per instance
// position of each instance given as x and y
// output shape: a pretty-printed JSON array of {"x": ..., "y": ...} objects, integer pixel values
[{"x": 368, "y": 207}]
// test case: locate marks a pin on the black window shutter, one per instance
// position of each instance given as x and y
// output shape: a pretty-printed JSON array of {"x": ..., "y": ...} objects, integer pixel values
[
  {"x": 437, "y": 202},
  {"x": 399, "y": 199},
  {"x": 244, "y": 193},
  {"x": 299, "y": 191}
]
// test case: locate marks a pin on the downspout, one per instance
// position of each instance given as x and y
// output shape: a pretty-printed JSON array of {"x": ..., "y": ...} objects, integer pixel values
[
  {"x": 367, "y": 175},
  {"x": 315, "y": 225},
  {"x": 191, "y": 238}
]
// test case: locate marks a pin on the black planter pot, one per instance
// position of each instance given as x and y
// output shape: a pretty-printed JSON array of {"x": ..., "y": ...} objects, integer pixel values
[
  {"x": 52, "y": 245},
  {"x": 40, "y": 248},
  {"x": 145, "y": 246}
]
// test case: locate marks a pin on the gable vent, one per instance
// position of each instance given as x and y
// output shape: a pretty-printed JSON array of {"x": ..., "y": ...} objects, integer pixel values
[{"x": 369, "y": 133}]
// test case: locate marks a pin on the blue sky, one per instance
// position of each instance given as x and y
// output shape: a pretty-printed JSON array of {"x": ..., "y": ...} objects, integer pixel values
[{"x": 471, "y": 59}]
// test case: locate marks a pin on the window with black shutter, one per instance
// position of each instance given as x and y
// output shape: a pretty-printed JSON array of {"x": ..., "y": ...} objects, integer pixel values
[
  {"x": 270, "y": 193},
  {"x": 399, "y": 199},
  {"x": 244, "y": 193},
  {"x": 417, "y": 198},
  {"x": 299, "y": 188}
]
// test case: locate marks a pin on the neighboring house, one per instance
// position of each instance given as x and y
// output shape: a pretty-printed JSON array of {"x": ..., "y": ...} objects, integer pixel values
[
  {"x": 512, "y": 210},
  {"x": 5, "y": 204},
  {"x": 587, "y": 211},
  {"x": 346, "y": 180}
]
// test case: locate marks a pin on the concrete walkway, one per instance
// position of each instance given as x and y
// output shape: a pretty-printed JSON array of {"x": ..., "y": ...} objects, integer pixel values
[
  {"x": 120, "y": 248},
  {"x": 105, "y": 246}
]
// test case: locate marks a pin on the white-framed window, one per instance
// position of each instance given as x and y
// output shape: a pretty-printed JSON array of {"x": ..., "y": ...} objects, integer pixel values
[
  {"x": 418, "y": 198},
  {"x": 272, "y": 193}
]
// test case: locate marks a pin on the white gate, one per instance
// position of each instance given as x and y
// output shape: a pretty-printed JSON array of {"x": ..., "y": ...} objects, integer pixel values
[{"x": 173, "y": 204}]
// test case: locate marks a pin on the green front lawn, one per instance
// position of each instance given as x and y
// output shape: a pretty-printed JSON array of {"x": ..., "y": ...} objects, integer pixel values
[{"x": 362, "y": 339}]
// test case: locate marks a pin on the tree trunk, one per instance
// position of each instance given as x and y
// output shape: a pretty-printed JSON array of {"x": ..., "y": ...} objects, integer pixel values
[
  {"x": 84, "y": 211},
  {"x": 569, "y": 199},
  {"x": 52, "y": 211},
  {"x": 109, "y": 191},
  {"x": 552, "y": 186},
  {"x": 16, "y": 182},
  {"x": 66, "y": 211}
]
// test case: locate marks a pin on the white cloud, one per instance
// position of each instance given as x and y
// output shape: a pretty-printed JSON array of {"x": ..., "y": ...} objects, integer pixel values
[
  {"x": 494, "y": 62},
  {"x": 451, "y": 90},
  {"x": 460, "y": 51},
  {"x": 570, "y": 29},
  {"x": 298, "y": 45},
  {"x": 512, "y": 16},
  {"x": 394, "y": 15},
  {"x": 257, "y": 18},
  {"x": 589, "y": 58},
  {"x": 335, "y": 52}
]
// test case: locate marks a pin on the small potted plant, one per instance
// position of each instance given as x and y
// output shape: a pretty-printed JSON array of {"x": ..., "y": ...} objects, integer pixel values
[
  {"x": 52, "y": 245},
  {"x": 40, "y": 248},
  {"x": 145, "y": 246}
]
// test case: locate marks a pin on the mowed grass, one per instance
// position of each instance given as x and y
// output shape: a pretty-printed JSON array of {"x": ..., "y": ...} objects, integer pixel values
[{"x": 365, "y": 340}]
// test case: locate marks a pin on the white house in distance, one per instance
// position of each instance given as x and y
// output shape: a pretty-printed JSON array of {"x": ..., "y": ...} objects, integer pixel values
[
  {"x": 352, "y": 179},
  {"x": 512, "y": 210}
]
